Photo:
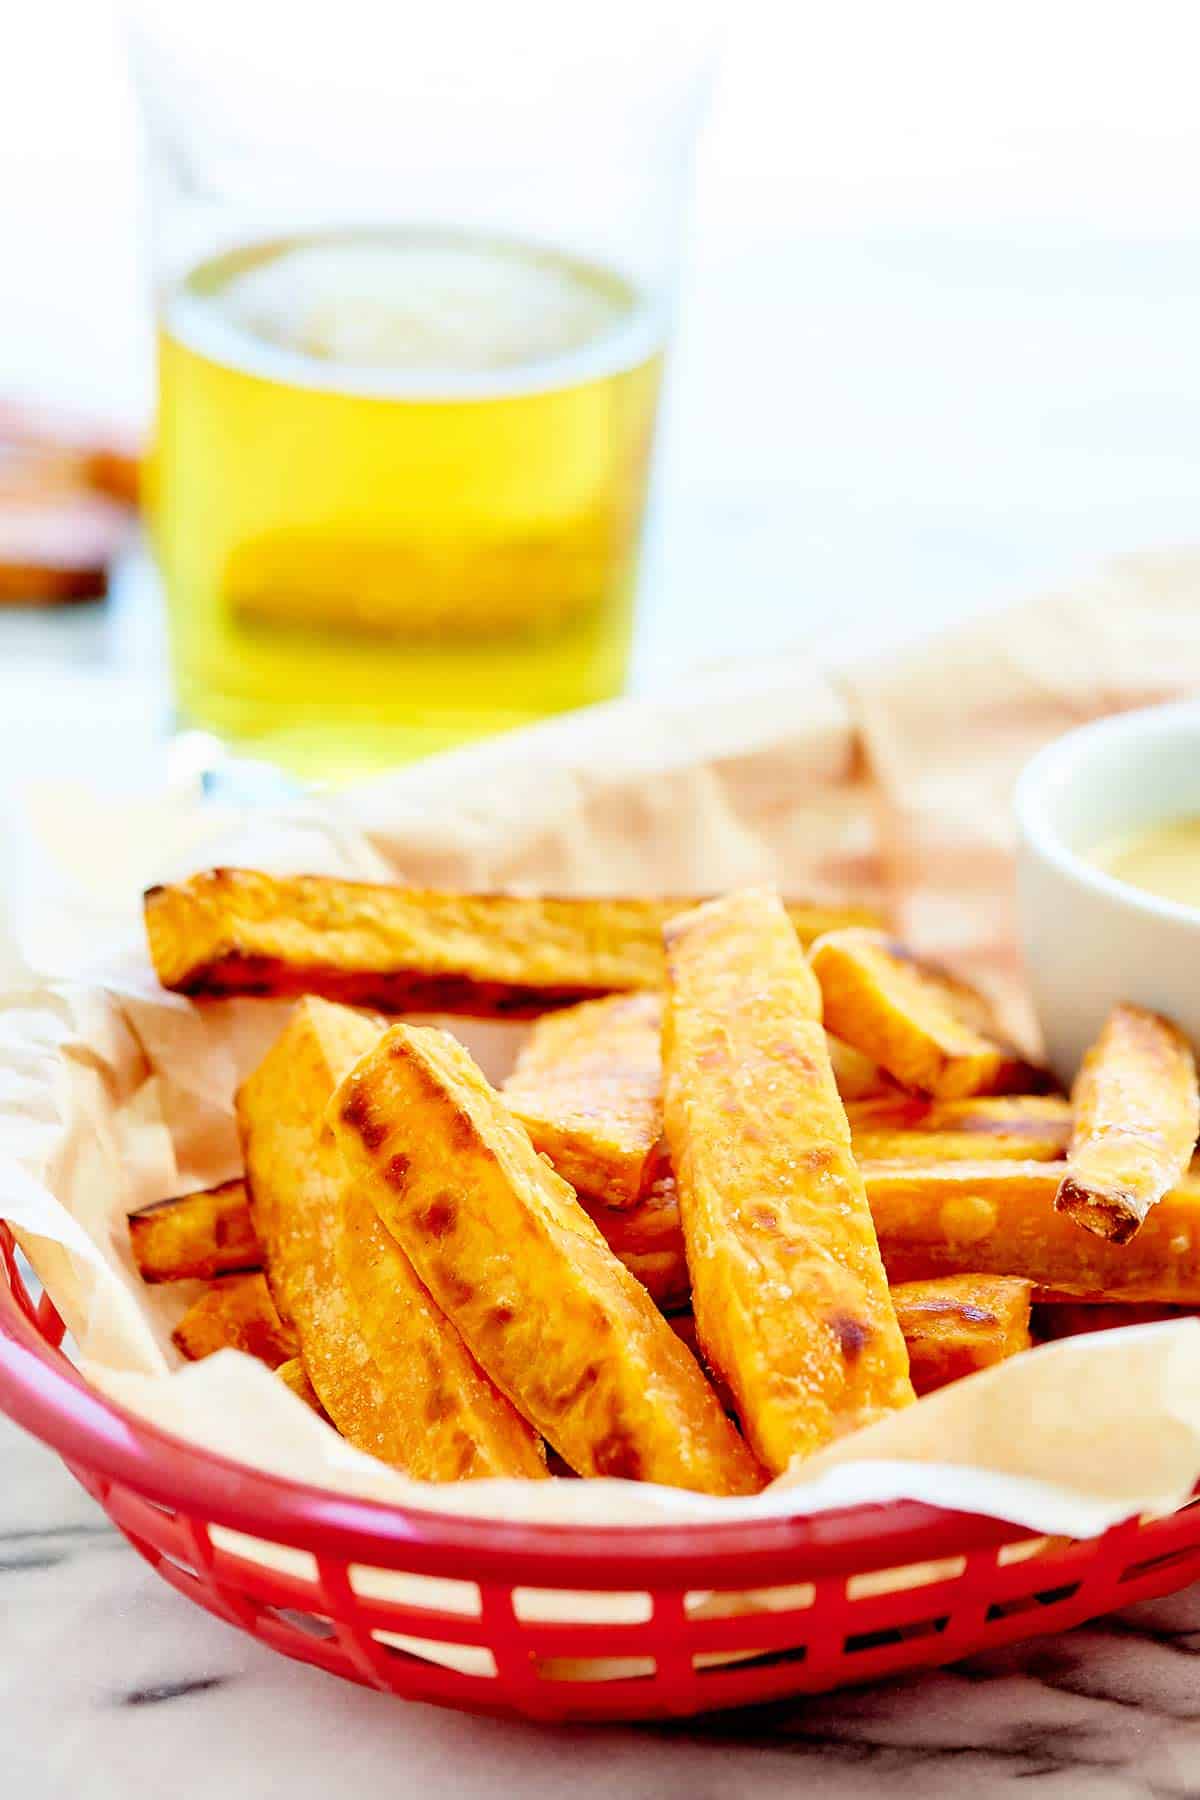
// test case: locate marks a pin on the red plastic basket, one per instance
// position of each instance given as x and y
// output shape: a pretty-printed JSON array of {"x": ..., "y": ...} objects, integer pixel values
[{"x": 856, "y": 1594}]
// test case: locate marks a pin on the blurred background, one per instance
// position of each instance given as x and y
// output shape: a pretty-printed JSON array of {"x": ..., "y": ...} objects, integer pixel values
[{"x": 937, "y": 342}]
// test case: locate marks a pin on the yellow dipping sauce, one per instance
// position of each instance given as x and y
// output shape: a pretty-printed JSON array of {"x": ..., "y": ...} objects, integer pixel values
[{"x": 1161, "y": 859}]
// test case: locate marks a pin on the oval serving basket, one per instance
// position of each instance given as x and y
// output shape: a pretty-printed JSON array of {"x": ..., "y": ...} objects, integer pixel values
[{"x": 518, "y": 1619}]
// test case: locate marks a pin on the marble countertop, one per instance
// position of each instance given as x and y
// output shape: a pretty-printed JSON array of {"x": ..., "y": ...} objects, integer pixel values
[{"x": 112, "y": 1685}]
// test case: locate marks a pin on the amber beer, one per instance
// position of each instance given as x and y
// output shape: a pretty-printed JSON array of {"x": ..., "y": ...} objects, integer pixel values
[{"x": 398, "y": 490}]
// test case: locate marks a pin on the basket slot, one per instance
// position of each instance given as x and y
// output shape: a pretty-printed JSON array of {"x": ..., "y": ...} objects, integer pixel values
[
  {"x": 761, "y": 1681},
  {"x": 324, "y": 1652},
  {"x": 1064, "y": 1560},
  {"x": 466, "y": 1659},
  {"x": 572, "y": 1606},
  {"x": 264, "y": 1553},
  {"x": 595, "y": 1668},
  {"x": 1157, "y": 1565},
  {"x": 178, "y": 1573},
  {"x": 1169, "y": 1531},
  {"x": 884, "y": 1636},
  {"x": 410, "y": 1621},
  {"x": 313, "y": 1625},
  {"x": 1007, "y": 1609},
  {"x": 432, "y": 1594},
  {"x": 164, "y": 1556},
  {"x": 169, "y": 1535},
  {"x": 415, "y": 1678},
  {"x": 716, "y": 1603},
  {"x": 708, "y": 1663},
  {"x": 893, "y": 1612},
  {"x": 1025, "y": 1549},
  {"x": 876, "y": 1583}
]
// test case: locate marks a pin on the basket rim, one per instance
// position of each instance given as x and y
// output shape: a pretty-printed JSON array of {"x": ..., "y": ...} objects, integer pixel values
[{"x": 42, "y": 1391}]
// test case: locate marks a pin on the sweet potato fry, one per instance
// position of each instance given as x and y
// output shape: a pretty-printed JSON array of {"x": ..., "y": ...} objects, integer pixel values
[
  {"x": 1137, "y": 1115},
  {"x": 910, "y": 1128},
  {"x": 788, "y": 1288},
  {"x": 952, "y": 1218},
  {"x": 588, "y": 1089},
  {"x": 389, "y": 1368},
  {"x": 235, "y": 1313},
  {"x": 293, "y": 1376},
  {"x": 951, "y": 1327},
  {"x": 999, "y": 1219},
  {"x": 924, "y": 1026},
  {"x": 857, "y": 1075},
  {"x": 648, "y": 1239},
  {"x": 233, "y": 931},
  {"x": 202, "y": 1235},
  {"x": 962, "y": 1323},
  {"x": 427, "y": 1360},
  {"x": 504, "y": 1246}
]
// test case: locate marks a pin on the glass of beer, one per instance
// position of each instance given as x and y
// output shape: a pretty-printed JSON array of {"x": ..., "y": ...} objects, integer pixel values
[{"x": 415, "y": 273}]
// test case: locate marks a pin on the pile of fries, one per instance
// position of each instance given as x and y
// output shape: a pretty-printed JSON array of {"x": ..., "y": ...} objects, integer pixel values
[{"x": 759, "y": 1177}]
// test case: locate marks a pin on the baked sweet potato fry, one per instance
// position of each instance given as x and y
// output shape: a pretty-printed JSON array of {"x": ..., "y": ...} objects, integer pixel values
[
  {"x": 588, "y": 1089},
  {"x": 200, "y": 1235},
  {"x": 943, "y": 1218},
  {"x": 425, "y": 1360},
  {"x": 789, "y": 1292},
  {"x": 235, "y": 1313},
  {"x": 857, "y": 1075},
  {"x": 506, "y": 1249},
  {"x": 929, "y": 1030},
  {"x": 293, "y": 1376},
  {"x": 962, "y": 1323},
  {"x": 1007, "y": 1127},
  {"x": 387, "y": 1365},
  {"x": 1137, "y": 1114},
  {"x": 999, "y": 1219},
  {"x": 951, "y": 1327},
  {"x": 235, "y": 931},
  {"x": 648, "y": 1239}
]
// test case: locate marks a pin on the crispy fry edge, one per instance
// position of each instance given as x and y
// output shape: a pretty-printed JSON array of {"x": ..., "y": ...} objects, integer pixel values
[{"x": 1137, "y": 1114}]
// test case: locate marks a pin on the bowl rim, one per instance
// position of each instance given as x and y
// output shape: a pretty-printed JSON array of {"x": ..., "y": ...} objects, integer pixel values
[{"x": 1039, "y": 835}]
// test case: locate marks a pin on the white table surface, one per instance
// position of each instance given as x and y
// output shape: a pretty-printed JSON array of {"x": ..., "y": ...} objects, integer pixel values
[{"x": 872, "y": 426}]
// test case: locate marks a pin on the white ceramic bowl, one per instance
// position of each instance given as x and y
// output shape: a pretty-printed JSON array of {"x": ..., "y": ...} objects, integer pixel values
[{"x": 1089, "y": 940}]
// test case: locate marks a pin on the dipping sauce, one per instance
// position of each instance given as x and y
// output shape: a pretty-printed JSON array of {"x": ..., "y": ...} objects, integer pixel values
[{"x": 1161, "y": 859}]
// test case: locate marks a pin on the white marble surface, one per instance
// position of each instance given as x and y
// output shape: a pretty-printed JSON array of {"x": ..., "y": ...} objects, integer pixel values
[{"x": 113, "y": 1686}]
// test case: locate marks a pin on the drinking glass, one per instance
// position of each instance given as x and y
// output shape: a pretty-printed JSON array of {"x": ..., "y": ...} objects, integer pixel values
[{"x": 415, "y": 270}]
